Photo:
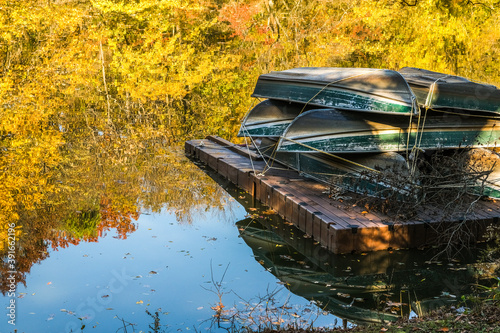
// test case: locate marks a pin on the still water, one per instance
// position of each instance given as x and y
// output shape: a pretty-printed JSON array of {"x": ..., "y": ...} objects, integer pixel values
[{"x": 207, "y": 261}]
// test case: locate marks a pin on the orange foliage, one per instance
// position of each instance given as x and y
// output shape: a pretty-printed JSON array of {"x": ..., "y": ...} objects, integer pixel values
[
  {"x": 240, "y": 17},
  {"x": 111, "y": 218}
]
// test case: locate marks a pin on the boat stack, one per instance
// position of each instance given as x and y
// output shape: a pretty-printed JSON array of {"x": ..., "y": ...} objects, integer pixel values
[{"x": 350, "y": 127}]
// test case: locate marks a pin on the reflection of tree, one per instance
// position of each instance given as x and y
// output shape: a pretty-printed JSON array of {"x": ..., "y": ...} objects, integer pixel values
[
  {"x": 113, "y": 219},
  {"x": 94, "y": 93},
  {"x": 92, "y": 195}
]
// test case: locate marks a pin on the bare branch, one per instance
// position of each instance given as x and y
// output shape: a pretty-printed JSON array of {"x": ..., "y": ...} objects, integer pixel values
[{"x": 409, "y": 3}]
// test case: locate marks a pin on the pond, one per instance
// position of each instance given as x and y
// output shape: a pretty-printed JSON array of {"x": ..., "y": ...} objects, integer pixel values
[{"x": 160, "y": 246}]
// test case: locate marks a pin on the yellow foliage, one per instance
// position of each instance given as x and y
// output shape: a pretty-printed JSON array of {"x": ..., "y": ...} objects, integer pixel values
[{"x": 93, "y": 93}]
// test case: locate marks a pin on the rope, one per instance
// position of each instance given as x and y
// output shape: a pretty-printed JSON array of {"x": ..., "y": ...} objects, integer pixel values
[
  {"x": 420, "y": 128},
  {"x": 418, "y": 143},
  {"x": 410, "y": 125},
  {"x": 256, "y": 147}
]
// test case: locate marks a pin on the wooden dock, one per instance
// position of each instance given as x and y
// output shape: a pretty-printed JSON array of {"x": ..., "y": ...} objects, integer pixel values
[{"x": 339, "y": 226}]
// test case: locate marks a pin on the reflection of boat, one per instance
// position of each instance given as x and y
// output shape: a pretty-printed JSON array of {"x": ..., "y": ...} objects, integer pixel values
[
  {"x": 376, "y": 287},
  {"x": 261, "y": 239}
]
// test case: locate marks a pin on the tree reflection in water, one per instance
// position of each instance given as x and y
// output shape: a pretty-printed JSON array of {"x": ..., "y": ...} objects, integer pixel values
[{"x": 97, "y": 188}]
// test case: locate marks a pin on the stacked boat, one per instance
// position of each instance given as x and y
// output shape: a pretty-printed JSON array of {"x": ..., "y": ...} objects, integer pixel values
[{"x": 345, "y": 125}]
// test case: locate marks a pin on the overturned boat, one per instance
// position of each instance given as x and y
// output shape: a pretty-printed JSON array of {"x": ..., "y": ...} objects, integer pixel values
[
  {"x": 331, "y": 122},
  {"x": 337, "y": 131},
  {"x": 402, "y": 92},
  {"x": 270, "y": 118},
  {"x": 454, "y": 94},
  {"x": 360, "y": 89}
]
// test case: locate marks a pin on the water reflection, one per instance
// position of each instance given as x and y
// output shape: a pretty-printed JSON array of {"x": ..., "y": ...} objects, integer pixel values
[
  {"x": 98, "y": 190},
  {"x": 362, "y": 288},
  {"x": 375, "y": 287}
]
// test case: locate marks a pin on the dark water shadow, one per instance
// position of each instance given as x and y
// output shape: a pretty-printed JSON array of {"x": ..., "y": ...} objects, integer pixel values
[{"x": 360, "y": 288}]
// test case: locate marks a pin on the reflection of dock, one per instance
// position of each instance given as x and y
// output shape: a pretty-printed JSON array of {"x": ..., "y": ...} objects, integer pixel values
[
  {"x": 376, "y": 287},
  {"x": 337, "y": 226}
]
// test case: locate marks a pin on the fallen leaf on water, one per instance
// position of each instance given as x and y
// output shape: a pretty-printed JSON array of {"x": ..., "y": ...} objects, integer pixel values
[
  {"x": 109, "y": 308},
  {"x": 104, "y": 296},
  {"x": 153, "y": 272},
  {"x": 139, "y": 302},
  {"x": 49, "y": 283},
  {"x": 218, "y": 307}
]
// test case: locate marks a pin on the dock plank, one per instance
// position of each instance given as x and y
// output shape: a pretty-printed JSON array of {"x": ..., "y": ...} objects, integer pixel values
[{"x": 340, "y": 226}]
